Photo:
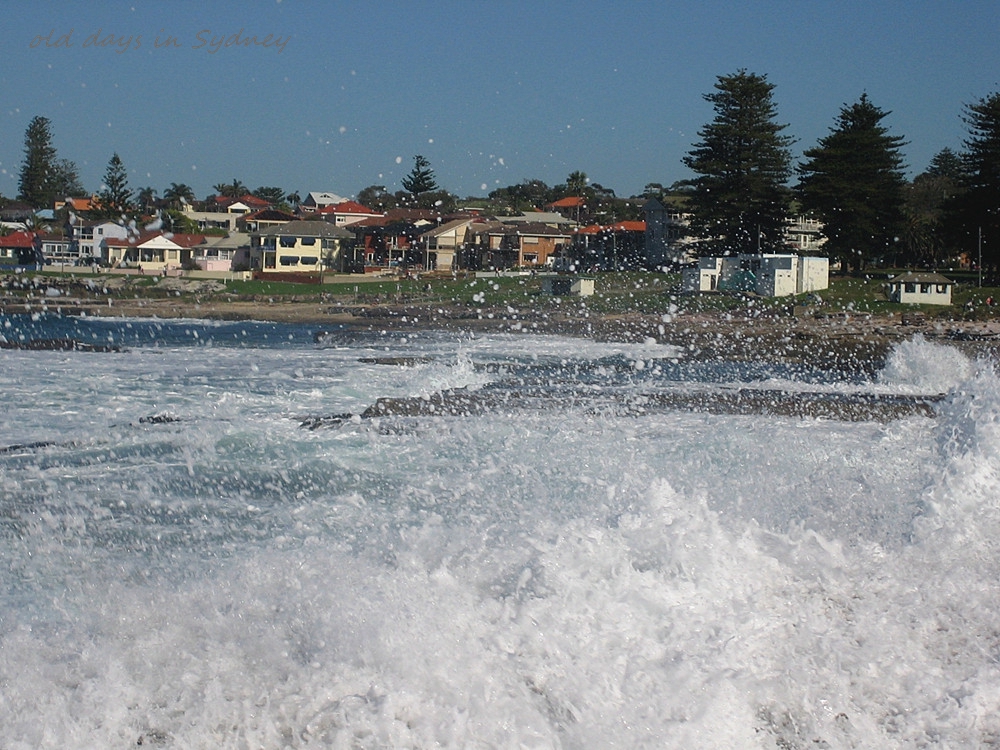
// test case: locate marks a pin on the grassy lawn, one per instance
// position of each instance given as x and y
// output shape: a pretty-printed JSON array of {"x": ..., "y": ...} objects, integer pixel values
[{"x": 642, "y": 292}]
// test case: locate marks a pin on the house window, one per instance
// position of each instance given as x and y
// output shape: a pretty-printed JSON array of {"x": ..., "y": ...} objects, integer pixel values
[
  {"x": 925, "y": 288},
  {"x": 309, "y": 241},
  {"x": 289, "y": 260},
  {"x": 286, "y": 241},
  {"x": 910, "y": 288},
  {"x": 942, "y": 288},
  {"x": 308, "y": 260}
]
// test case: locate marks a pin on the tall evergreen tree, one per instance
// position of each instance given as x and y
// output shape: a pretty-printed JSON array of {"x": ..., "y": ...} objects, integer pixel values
[
  {"x": 853, "y": 182},
  {"x": 739, "y": 203},
  {"x": 35, "y": 185},
  {"x": 115, "y": 197},
  {"x": 978, "y": 210},
  {"x": 421, "y": 177},
  {"x": 65, "y": 180},
  {"x": 926, "y": 236}
]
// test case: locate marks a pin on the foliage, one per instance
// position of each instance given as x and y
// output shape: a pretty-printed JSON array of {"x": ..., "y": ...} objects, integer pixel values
[
  {"x": 739, "y": 202},
  {"x": 924, "y": 241},
  {"x": 178, "y": 194},
  {"x": 853, "y": 182},
  {"x": 376, "y": 198},
  {"x": 273, "y": 195},
  {"x": 65, "y": 180},
  {"x": 35, "y": 185},
  {"x": 421, "y": 177},
  {"x": 978, "y": 209},
  {"x": 115, "y": 197},
  {"x": 232, "y": 189}
]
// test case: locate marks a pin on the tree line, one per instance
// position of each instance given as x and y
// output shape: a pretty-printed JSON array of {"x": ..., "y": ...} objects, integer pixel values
[{"x": 745, "y": 189}]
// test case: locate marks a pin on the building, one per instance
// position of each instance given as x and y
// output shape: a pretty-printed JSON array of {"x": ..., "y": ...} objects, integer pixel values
[
  {"x": 154, "y": 251},
  {"x": 920, "y": 289},
  {"x": 317, "y": 200},
  {"x": 21, "y": 249},
  {"x": 304, "y": 247},
  {"x": 443, "y": 245},
  {"x": 88, "y": 239},
  {"x": 768, "y": 275},
  {"x": 229, "y": 253}
]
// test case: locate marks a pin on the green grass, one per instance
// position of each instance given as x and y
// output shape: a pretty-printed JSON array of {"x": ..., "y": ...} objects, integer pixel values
[{"x": 642, "y": 292}]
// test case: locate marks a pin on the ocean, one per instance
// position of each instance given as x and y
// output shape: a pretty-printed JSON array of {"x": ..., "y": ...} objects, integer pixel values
[{"x": 209, "y": 538}]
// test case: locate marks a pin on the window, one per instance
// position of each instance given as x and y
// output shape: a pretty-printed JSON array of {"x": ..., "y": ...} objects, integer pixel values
[
  {"x": 909, "y": 287},
  {"x": 289, "y": 260},
  {"x": 308, "y": 260},
  {"x": 286, "y": 241},
  {"x": 942, "y": 289},
  {"x": 309, "y": 241},
  {"x": 925, "y": 288}
]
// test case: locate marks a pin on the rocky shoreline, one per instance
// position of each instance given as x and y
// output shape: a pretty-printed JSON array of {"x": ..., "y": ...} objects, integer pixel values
[{"x": 845, "y": 341}]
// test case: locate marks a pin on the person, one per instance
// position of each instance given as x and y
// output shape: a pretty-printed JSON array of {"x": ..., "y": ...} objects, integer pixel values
[{"x": 989, "y": 301}]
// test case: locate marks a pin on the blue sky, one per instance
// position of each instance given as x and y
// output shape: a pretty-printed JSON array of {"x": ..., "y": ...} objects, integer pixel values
[{"x": 492, "y": 93}]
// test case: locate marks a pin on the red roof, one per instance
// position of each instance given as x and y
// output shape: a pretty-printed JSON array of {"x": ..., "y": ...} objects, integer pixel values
[
  {"x": 621, "y": 226},
  {"x": 568, "y": 202},
  {"x": 178, "y": 238},
  {"x": 18, "y": 239},
  {"x": 346, "y": 207}
]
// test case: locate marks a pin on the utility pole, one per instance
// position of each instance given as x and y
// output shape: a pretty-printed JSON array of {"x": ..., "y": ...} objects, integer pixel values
[{"x": 980, "y": 257}]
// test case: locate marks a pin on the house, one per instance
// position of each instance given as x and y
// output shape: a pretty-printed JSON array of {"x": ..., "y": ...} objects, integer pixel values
[
  {"x": 245, "y": 204},
  {"x": 613, "y": 246},
  {"x": 769, "y": 275},
  {"x": 920, "y": 289},
  {"x": 442, "y": 245},
  {"x": 666, "y": 243},
  {"x": 385, "y": 242},
  {"x": 346, "y": 213},
  {"x": 266, "y": 218},
  {"x": 305, "y": 247},
  {"x": 317, "y": 200},
  {"x": 521, "y": 245},
  {"x": 21, "y": 248},
  {"x": 154, "y": 251},
  {"x": 229, "y": 253},
  {"x": 571, "y": 207},
  {"x": 552, "y": 219},
  {"x": 77, "y": 205},
  {"x": 56, "y": 249},
  {"x": 88, "y": 238}
]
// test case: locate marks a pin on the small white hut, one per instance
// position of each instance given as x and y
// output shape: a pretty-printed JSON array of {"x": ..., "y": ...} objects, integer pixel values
[{"x": 920, "y": 289}]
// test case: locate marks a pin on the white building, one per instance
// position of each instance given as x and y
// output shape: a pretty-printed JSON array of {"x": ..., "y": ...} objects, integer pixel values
[
  {"x": 920, "y": 288},
  {"x": 769, "y": 275}
]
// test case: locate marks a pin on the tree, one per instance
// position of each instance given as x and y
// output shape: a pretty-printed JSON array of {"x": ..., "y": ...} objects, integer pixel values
[
  {"x": 739, "y": 203},
  {"x": 421, "y": 177},
  {"x": 115, "y": 197},
  {"x": 978, "y": 214},
  {"x": 65, "y": 180},
  {"x": 926, "y": 202},
  {"x": 178, "y": 194},
  {"x": 853, "y": 183},
  {"x": 273, "y": 195},
  {"x": 376, "y": 197},
  {"x": 232, "y": 189},
  {"x": 35, "y": 185},
  {"x": 146, "y": 198}
]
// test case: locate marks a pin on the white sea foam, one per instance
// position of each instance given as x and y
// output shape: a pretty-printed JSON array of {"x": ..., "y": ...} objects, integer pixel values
[{"x": 549, "y": 578}]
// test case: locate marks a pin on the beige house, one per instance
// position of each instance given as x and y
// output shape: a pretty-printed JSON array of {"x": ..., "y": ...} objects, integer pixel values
[
  {"x": 299, "y": 247},
  {"x": 443, "y": 244},
  {"x": 154, "y": 251}
]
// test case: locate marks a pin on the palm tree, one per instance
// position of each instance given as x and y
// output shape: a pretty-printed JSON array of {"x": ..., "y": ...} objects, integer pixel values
[
  {"x": 233, "y": 189},
  {"x": 178, "y": 194},
  {"x": 146, "y": 198}
]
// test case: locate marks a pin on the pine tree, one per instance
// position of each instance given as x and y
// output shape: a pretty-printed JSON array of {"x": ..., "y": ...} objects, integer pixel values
[
  {"x": 853, "y": 182},
  {"x": 115, "y": 198},
  {"x": 421, "y": 177},
  {"x": 740, "y": 202},
  {"x": 35, "y": 185},
  {"x": 978, "y": 209}
]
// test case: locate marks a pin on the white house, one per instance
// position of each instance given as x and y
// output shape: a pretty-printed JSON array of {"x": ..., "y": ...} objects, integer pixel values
[
  {"x": 769, "y": 275},
  {"x": 920, "y": 288},
  {"x": 319, "y": 199}
]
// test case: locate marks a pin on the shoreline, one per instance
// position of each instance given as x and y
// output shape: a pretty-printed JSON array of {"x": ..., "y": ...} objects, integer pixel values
[{"x": 852, "y": 342}]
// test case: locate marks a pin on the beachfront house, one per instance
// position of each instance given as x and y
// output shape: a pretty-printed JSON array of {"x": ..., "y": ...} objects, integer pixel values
[
  {"x": 303, "y": 247},
  {"x": 154, "y": 252},
  {"x": 443, "y": 244},
  {"x": 920, "y": 289}
]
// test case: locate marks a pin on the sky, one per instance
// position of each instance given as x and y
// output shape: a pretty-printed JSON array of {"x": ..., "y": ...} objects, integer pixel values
[{"x": 338, "y": 96}]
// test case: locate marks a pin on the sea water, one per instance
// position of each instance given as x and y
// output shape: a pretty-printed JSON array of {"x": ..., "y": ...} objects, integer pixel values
[{"x": 185, "y": 565}]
